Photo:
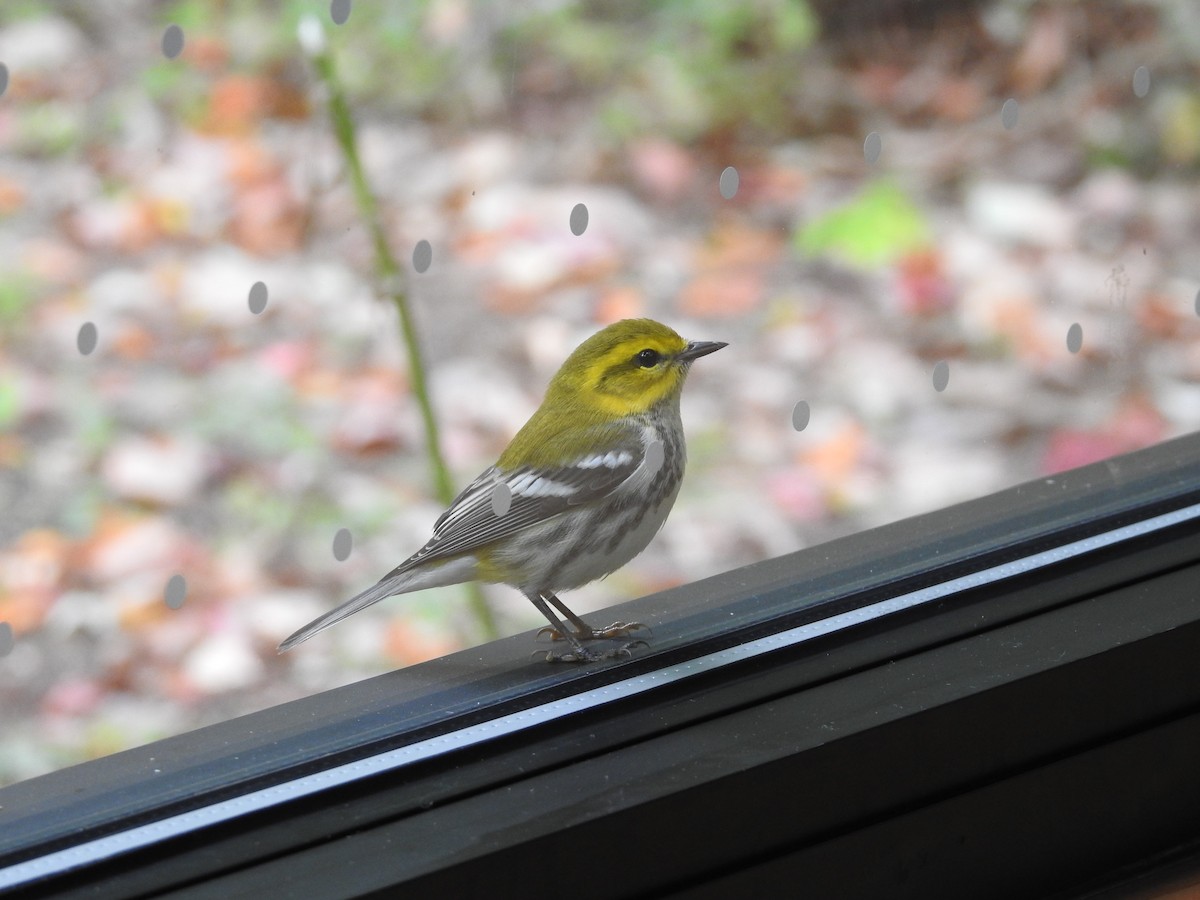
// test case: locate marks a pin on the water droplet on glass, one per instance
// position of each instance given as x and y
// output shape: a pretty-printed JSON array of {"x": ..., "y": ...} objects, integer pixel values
[
  {"x": 172, "y": 41},
  {"x": 579, "y": 219},
  {"x": 801, "y": 413},
  {"x": 501, "y": 499},
  {"x": 1198, "y": 303},
  {"x": 1008, "y": 114},
  {"x": 729, "y": 182},
  {"x": 339, "y": 11},
  {"x": 6, "y": 639},
  {"x": 3, "y": 79},
  {"x": 343, "y": 543},
  {"x": 176, "y": 591},
  {"x": 1141, "y": 81},
  {"x": 1075, "y": 337},
  {"x": 87, "y": 337},
  {"x": 422, "y": 256},
  {"x": 872, "y": 147},
  {"x": 258, "y": 297},
  {"x": 941, "y": 376}
]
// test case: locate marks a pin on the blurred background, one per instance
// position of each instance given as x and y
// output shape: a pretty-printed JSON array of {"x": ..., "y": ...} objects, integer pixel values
[{"x": 953, "y": 246}]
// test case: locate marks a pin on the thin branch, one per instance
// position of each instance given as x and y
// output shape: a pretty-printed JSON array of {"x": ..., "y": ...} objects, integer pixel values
[{"x": 391, "y": 279}]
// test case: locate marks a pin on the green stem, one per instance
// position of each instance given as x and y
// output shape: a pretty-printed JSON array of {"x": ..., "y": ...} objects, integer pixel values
[{"x": 391, "y": 279}]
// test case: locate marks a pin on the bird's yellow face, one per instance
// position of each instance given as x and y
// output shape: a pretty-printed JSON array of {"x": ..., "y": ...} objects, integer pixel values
[{"x": 628, "y": 368}]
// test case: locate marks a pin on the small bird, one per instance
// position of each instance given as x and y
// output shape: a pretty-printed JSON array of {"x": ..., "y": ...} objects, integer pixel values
[{"x": 580, "y": 491}]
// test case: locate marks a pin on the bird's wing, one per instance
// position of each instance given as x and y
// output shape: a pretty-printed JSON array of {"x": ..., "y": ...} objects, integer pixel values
[{"x": 500, "y": 503}]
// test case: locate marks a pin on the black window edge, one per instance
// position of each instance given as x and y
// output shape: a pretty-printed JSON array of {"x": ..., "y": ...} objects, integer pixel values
[{"x": 348, "y": 728}]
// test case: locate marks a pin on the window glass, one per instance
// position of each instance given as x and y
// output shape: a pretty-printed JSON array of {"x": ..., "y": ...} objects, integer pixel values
[{"x": 952, "y": 247}]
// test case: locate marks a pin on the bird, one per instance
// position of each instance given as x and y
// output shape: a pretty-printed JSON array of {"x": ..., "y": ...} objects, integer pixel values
[{"x": 580, "y": 490}]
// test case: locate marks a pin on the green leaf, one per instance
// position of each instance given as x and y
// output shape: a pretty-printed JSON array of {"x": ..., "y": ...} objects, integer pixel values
[{"x": 874, "y": 229}]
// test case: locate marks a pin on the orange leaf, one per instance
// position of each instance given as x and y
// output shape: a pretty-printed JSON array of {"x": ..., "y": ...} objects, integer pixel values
[
  {"x": 835, "y": 458},
  {"x": 12, "y": 197},
  {"x": 731, "y": 278},
  {"x": 622, "y": 302},
  {"x": 31, "y": 574},
  {"x": 408, "y": 642}
]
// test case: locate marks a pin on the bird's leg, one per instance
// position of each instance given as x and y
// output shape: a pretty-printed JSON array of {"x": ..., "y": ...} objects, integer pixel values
[
  {"x": 584, "y": 631},
  {"x": 577, "y": 652}
]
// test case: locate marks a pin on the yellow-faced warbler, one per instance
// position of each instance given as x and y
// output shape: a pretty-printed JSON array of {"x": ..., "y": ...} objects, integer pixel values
[{"x": 579, "y": 492}]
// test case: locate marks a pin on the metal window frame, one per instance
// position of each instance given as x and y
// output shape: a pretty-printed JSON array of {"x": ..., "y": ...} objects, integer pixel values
[{"x": 982, "y": 697}]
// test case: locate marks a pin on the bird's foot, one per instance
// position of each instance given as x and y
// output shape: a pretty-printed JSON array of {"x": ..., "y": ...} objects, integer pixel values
[
  {"x": 582, "y": 654},
  {"x": 613, "y": 631}
]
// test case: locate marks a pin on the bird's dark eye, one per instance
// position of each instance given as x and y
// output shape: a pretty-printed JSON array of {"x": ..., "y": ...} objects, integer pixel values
[{"x": 648, "y": 359}]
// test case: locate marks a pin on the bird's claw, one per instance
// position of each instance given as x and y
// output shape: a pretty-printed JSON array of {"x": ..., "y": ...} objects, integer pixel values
[
  {"x": 615, "y": 630},
  {"x": 584, "y": 655},
  {"x": 619, "y": 630}
]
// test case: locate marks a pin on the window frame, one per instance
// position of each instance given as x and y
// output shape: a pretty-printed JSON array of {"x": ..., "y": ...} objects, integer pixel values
[{"x": 1015, "y": 651}]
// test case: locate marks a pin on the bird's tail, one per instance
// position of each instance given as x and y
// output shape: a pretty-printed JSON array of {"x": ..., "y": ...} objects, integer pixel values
[{"x": 395, "y": 582}]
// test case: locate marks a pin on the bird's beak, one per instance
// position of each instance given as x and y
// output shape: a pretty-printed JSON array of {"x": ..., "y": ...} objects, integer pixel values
[{"x": 696, "y": 349}]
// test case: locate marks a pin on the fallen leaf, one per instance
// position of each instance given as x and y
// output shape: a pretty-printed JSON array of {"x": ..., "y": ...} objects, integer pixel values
[
  {"x": 730, "y": 271},
  {"x": 922, "y": 288},
  {"x": 732, "y": 292},
  {"x": 1046, "y": 49},
  {"x": 621, "y": 302},
  {"x": 407, "y": 642},
  {"x": 663, "y": 167},
  {"x": 12, "y": 196},
  {"x": 836, "y": 457},
  {"x": 162, "y": 469},
  {"x": 31, "y": 574},
  {"x": 268, "y": 219}
]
